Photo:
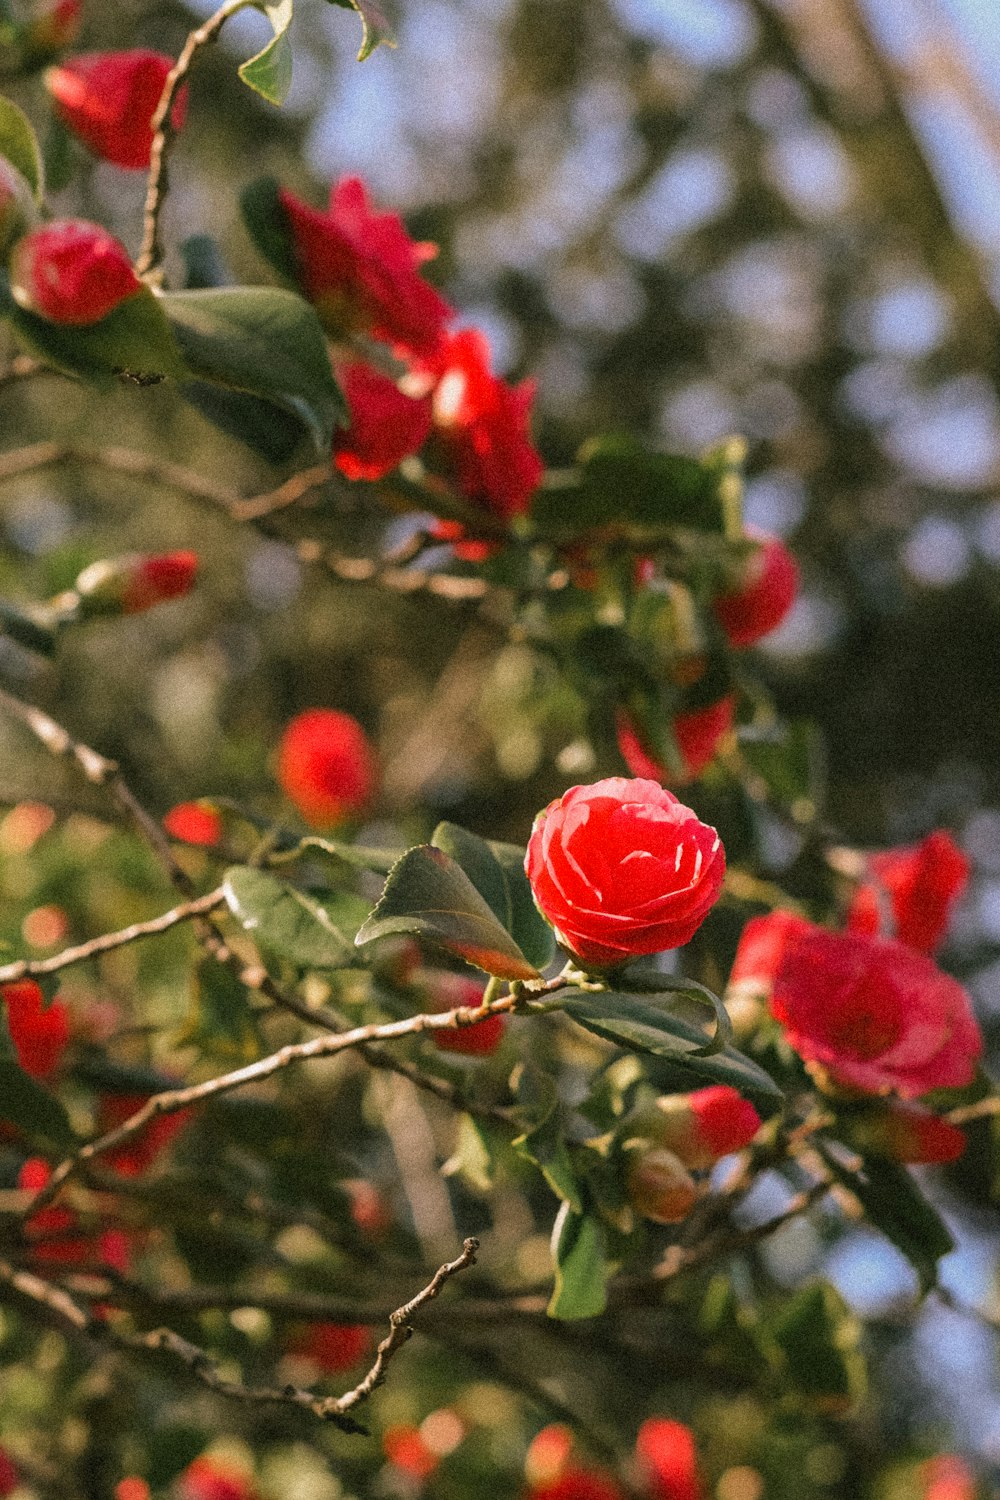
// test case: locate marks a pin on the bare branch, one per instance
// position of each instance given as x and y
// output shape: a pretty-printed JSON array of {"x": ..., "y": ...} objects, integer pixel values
[
  {"x": 151, "y": 252},
  {"x": 28, "y": 968}
]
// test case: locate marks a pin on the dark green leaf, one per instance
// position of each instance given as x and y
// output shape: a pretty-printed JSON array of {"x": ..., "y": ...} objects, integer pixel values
[
  {"x": 27, "y": 632},
  {"x": 375, "y": 29},
  {"x": 581, "y": 1273},
  {"x": 649, "y": 982},
  {"x": 262, "y": 340},
  {"x": 61, "y": 156},
  {"x": 20, "y": 146},
  {"x": 632, "y": 1022},
  {"x": 623, "y": 491},
  {"x": 283, "y": 921},
  {"x": 220, "y": 1022},
  {"x": 380, "y": 861},
  {"x": 544, "y": 1144},
  {"x": 203, "y": 263},
  {"x": 269, "y": 73},
  {"x": 268, "y": 226},
  {"x": 819, "y": 1339},
  {"x": 264, "y": 427},
  {"x": 472, "y": 1159},
  {"x": 894, "y": 1205},
  {"x": 497, "y": 872},
  {"x": 133, "y": 340},
  {"x": 430, "y": 896}
]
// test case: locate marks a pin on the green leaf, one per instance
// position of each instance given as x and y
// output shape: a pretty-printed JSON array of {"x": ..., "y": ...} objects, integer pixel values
[
  {"x": 379, "y": 860},
  {"x": 429, "y": 895},
  {"x": 623, "y": 491},
  {"x": 24, "y": 1102},
  {"x": 581, "y": 1272},
  {"x": 634, "y": 1023},
  {"x": 375, "y": 29},
  {"x": 267, "y": 224},
  {"x": 544, "y": 1145},
  {"x": 134, "y": 340},
  {"x": 20, "y": 146},
  {"x": 220, "y": 1022},
  {"x": 819, "y": 1338},
  {"x": 650, "y": 982},
  {"x": 497, "y": 872},
  {"x": 895, "y": 1206},
  {"x": 269, "y": 73},
  {"x": 472, "y": 1159},
  {"x": 283, "y": 921},
  {"x": 262, "y": 340}
]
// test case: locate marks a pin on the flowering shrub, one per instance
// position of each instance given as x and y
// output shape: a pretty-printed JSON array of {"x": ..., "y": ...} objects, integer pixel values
[{"x": 316, "y": 1050}]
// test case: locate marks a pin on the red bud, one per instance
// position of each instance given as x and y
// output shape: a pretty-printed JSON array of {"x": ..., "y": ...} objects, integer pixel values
[
  {"x": 71, "y": 272},
  {"x": 668, "y": 1460},
  {"x": 54, "y": 26},
  {"x": 698, "y": 733},
  {"x": 107, "y": 99},
  {"x": 659, "y": 1185},
  {"x": 334, "y": 1347},
  {"x": 908, "y": 1133},
  {"x": 699, "y": 1128},
  {"x": 326, "y": 766},
  {"x": 766, "y": 592},
  {"x": 194, "y": 823},
  {"x": 448, "y": 992},
  {"x": 131, "y": 584}
]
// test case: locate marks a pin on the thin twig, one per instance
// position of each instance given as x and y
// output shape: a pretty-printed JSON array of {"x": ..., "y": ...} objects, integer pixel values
[
  {"x": 164, "y": 132},
  {"x": 679, "y": 1258},
  {"x": 24, "y": 968}
]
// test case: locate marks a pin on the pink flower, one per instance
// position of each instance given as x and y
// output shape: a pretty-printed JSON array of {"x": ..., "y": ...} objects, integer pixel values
[
  {"x": 482, "y": 426},
  {"x": 71, "y": 272},
  {"x": 326, "y": 766},
  {"x": 107, "y": 99},
  {"x": 698, "y": 732},
  {"x": 386, "y": 425},
  {"x": 360, "y": 268},
  {"x": 912, "y": 892},
  {"x": 875, "y": 1015},
  {"x": 622, "y": 868},
  {"x": 765, "y": 592}
]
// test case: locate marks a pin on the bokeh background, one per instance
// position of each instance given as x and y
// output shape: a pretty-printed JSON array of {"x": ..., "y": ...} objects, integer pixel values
[{"x": 684, "y": 219}]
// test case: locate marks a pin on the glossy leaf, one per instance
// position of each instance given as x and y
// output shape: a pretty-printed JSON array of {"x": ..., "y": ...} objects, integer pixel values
[
  {"x": 580, "y": 1269},
  {"x": 134, "y": 340},
  {"x": 284, "y": 921},
  {"x": 632, "y": 1021},
  {"x": 262, "y": 340},
  {"x": 895, "y": 1205},
  {"x": 20, "y": 146},
  {"x": 20, "y": 627},
  {"x": 430, "y": 896},
  {"x": 497, "y": 872},
  {"x": 265, "y": 220},
  {"x": 472, "y": 1159},
  {"x": 269, "y": 72},
  {"x": 375, "y": 29},
  {"x": 220, "y": 1022},
  {"x": 544, "y": 1144},
  {"x": 621, "y": 490}
]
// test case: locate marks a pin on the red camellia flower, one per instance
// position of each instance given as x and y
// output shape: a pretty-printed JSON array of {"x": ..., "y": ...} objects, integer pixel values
[
  {"x": 766, "y": 592},
  {"x": 622, "y": 868},
  {"x": 55, "y": 1235},
  {"x": 326, "y": 766},
  {"x": 908, "y": 1133},
  {"x": 212, "y": 1479},
  {"x": 133, "y": 1157},
  {"x": 701, "y": 1127},
  {"x": 386, "y": 425},
  {"x": 334, "y": 1347},
  {"x": 107, "y": 99},
  {"x": 912, "y": 892},
  {"x": 482, "y": 425},
  {"x": 449, "y": 991},
  {"x": 405, "y": 1449},
  {"x": 875, "y": 1015},
  {"x": 39, "y": 1033},
  {"x": 8, "y": 1475},
  {"x": 578, "y": 1484},
  {"x": 698, "y": 732},
  {"x": 71, "y": 272},
  {"x": 360, "y": 268},
  {"x": 153, "y": 580},
  {"x": 194, "y": 823},
  {"x": 668, "y": 1460}
]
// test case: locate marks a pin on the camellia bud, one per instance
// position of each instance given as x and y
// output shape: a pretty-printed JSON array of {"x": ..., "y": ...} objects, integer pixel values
[
  {"x": 107, "y": 99},
  {"x": 8, "y": 1474},
  {"x": 907, "y": 1133},
  {"x": 194, "y": 823},
  {"x": 668, "y": 1460},
  {"x": 659, "y": 1186},
  {"x": 698, "y": 732},
  {"x": 326, "y": 766},
  {"x": 128, "y": 585},
  {"x": 71, "y": 272},
  {"x": 699, "y": 1128},
  {"x": 17, "y": 206},
  {"x": 54, "y": 26},
  {"x": 765, "y": 593},
  {"x": 333, "y": 1347}
]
